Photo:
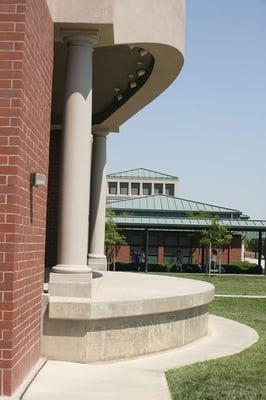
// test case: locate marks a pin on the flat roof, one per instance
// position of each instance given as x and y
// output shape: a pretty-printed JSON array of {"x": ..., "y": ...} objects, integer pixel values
[{"x": 141, "y": 173}]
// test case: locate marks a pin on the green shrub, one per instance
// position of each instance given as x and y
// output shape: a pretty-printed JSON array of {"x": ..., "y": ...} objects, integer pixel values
[
  {"x": 188, "y": 268},
  {"x": 131, "y": 267},
  {"x": 242, "y": 267},
  {"x": 242, "y": 264},
  {"x": 192, "y": 268}
]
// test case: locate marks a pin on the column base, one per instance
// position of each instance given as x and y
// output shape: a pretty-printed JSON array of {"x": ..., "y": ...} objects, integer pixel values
[
  {"x": 71, "y": 269},
  {"x": 70, "y": 285},
  {"x": 97, "y": 262}
]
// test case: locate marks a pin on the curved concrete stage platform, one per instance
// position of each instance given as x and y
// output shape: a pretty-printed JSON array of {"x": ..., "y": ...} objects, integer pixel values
[
  {"x": 142, "y": 378},
  {"x": 128, "y": 315}
]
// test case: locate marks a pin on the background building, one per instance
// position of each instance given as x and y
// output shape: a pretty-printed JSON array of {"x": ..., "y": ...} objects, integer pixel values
[
  {"x": 141, "y": 182},
  {"x": 171, "y": 223}
]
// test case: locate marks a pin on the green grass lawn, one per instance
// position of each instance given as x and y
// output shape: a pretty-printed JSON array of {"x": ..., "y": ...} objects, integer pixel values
[
  {"x": 226, "y": 284},
  {"x": 238, "y": 377}
]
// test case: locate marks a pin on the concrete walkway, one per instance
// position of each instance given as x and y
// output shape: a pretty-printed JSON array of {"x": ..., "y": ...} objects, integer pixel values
[{"x": 141, "y": 378}]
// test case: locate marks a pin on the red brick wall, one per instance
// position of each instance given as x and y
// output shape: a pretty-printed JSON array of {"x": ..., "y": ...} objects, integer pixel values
[
  {"x": 235, "y": 250},
  {"x": 26, "y": 56},
  {"x": 123, "y": 254},
  {"x": 161, "y": 248}
]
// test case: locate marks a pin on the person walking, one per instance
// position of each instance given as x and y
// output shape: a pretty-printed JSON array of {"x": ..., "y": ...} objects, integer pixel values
[
  {"x": 142, "y": 261},
  {"x": 179, "y": 261}
]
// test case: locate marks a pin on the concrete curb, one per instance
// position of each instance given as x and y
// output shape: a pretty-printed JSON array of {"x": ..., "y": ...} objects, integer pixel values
[{"x": 141, "y": 378}]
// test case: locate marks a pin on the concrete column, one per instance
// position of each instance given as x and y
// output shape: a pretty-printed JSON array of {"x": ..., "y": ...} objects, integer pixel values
[
  {"x": 260, "y": 249},
  {"x": 97, "y": 259},
  {"x": 76, "y": 158},
  {"x": 146, "y": 250}
]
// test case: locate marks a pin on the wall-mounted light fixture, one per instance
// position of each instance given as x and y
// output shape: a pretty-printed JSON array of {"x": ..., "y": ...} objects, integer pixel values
[{"x": 37, "y": 179}]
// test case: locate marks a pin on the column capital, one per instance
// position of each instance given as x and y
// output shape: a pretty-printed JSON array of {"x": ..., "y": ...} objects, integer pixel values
[
  {"x": 78, "y": 37},
  {"x": 100, "y": 132}
]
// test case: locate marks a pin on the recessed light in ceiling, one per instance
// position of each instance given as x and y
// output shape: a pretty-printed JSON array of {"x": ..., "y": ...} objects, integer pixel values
[
  {"x": 141, "y": 72},
  {"x": 132, "y": 85}
]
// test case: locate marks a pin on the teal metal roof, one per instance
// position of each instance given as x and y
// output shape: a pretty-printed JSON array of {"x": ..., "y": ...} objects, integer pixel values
[
  {"x": 187, "y": 223},
  {"x": 141, "y": 173},
  {"x": 166, "y": 203},
  {"x": 112, "y": 198}
]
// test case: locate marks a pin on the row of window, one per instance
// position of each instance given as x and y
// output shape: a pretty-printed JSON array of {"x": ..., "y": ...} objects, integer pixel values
[
  {"x": 158, "y": 188},
  {"x": 167, "y": 258},
  {"x": 172, "y": 243},
  {"x": 169, "y": 241}
]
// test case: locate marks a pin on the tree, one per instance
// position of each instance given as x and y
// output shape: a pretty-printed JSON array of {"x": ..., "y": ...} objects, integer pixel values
[
  {"x": 208, "y": 238},
  {"x": 217, "y": 236},
  {"x": 198, "y": 214},
  {"x": 113, "y": 238},
  {"x": 223, "y": 239}
]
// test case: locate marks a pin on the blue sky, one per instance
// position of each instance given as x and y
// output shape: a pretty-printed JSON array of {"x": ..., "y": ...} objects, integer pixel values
[{"x": 209, "y": 126}]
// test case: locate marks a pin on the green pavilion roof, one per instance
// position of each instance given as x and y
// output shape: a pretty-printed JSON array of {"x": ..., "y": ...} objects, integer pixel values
[
  {"x": 188, "y": 223},
  {"x": 141, "y": 173},
  {"x": 166, "y": 203}
]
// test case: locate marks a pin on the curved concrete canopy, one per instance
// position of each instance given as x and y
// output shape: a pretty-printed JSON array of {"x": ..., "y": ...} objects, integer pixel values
[{"x": 124, "y": 27}]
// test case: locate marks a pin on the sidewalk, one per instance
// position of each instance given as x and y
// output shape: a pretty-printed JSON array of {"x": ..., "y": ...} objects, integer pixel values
[{"x": 139, "y": 379}]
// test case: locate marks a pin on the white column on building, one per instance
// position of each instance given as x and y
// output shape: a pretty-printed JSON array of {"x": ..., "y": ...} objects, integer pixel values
[
  {"x": 243, "y": 247},
  {"x": 76, "y": 157},
  {"x": 97, "y": 259}
]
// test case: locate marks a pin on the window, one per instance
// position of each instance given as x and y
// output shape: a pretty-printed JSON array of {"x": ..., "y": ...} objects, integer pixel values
[
  {"x": 137, "y": 240},
  {"x": 146, "y": 189},
  {"x": 171, "y": 240},
  {"x": 137, "y": 243},
  {"x": 124, "y": 188},
  {"x": 182, "y": 242},
  {"x": 112, "y": 187},
  {"x": 169, "y": 189},
  {"x": 170, "y": 249},
  {"x": 185, "y": 241},
  {"x": 135, "y": 189},
  {"x": 158, "y": 188},
  {"x": 153, "y": 249}
]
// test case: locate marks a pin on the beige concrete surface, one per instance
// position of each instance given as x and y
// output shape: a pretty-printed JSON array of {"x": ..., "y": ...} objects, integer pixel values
[
  {"x": 121, "y": 294},
  {"x": 75, "y": 171},
  {"x": 97, "y": 259},
  {"x": 141, "y": 378},
  {"x": 128, "y": 315},
  {"x": 155, "y": 25}
]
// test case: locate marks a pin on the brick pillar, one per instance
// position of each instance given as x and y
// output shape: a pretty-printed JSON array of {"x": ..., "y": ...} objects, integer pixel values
[
  {"x": 161, "y": 249},
  {"x": 196, "y": 255},
  {"x": 26, "y": 54}
]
